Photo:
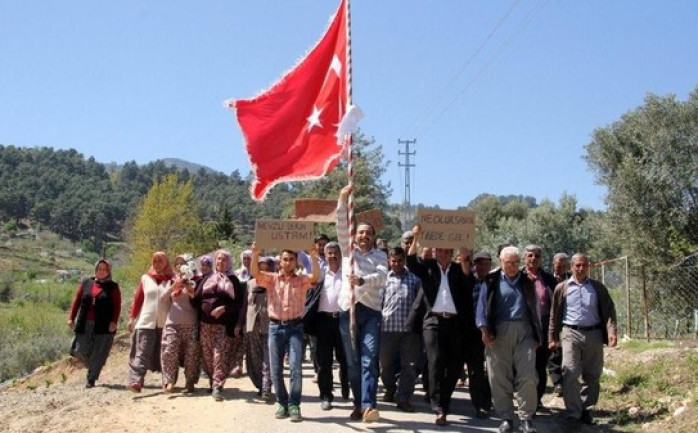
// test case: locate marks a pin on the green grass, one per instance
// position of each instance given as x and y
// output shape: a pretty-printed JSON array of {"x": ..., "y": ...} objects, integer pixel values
[
  {"x": 651, "y": 378},
  {"x": 639, "y": 346}
]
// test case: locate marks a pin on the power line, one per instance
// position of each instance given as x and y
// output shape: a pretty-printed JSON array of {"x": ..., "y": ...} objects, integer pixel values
[
  {"x": 531, "y": 15},
  {"x": 446, "y": 90},
  {"x": 425, "y": 127}
]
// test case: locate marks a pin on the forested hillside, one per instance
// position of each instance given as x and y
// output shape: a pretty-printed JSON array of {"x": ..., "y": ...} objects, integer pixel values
[
  {"x": 84, "y": 200},
  {"x": 78, "y": 198}
]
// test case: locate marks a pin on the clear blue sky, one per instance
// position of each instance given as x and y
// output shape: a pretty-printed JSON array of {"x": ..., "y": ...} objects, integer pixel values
[{"x": 501, "y": 96}]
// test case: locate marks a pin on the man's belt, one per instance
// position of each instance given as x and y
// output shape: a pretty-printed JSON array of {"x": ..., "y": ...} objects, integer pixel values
[
  {"x": 582, "y": 328},
  {"x": 286, "y": 322},
  {"x": 443, "y": 315},
  {"x": 332, "y": 314}
]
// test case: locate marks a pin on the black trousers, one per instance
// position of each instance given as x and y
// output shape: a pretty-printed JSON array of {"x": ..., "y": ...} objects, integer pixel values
[
  {"x": 542, "y": 357},
  {"x": 443, "y": 340},
  {"x": 478, "y": 385},
  {"x": 329, "y": 343}
]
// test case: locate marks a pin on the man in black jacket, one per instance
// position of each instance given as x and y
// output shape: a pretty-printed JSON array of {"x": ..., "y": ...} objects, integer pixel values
[{"x": 446, "y": 303}]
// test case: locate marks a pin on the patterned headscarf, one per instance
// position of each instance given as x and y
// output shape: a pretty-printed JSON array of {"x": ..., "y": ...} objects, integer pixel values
[{"x": 219, "y": 281}]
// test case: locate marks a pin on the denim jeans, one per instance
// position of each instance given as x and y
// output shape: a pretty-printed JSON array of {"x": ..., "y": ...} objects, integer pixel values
[
  {"x": 362, "y": 360},
  {"x": 281, "y": 339}
]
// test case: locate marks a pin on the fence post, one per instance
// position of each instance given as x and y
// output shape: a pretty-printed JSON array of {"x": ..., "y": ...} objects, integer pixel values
[
  {"x": 629, "y": 314},
  {"x": 695, "y": 323},
  {"x": 645, "y": 305}
]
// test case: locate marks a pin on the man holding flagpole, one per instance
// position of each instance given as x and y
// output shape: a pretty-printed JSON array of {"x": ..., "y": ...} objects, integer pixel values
[{"x": 368, "y": 279}]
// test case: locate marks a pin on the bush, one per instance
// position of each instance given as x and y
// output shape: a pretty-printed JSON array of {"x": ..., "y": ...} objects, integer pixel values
[
  {"x": 31, "y": 334},
  {"x": 10, "y": 226}
]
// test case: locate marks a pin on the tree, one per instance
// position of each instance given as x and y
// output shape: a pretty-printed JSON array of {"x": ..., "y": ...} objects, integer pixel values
[
  {"x": 167, "y": 220},
  {"x": 648, "y": 160},
  {"x": 369, "y": 190}
]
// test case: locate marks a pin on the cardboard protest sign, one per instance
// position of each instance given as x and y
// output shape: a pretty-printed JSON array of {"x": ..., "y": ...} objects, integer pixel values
[
  {"x": 315, "y": 209},
  {"x": 280, "y": 234},
  {"x": 373, "y": 217},
  {"x": 446, "y": 228}
]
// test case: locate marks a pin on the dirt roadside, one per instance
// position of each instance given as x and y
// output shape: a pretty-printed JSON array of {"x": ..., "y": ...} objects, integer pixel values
[{"x": 55, "y": 400}]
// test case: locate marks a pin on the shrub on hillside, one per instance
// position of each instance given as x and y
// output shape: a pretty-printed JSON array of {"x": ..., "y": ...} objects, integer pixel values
[{"x": 31, "y": 334}]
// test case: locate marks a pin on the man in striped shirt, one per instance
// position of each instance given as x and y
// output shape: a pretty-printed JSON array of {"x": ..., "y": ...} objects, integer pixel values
[{"x": 397, "y": 342}]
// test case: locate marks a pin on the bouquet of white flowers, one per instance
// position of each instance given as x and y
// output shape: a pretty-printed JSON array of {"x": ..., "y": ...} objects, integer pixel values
[{"x": 186, "y": 273}]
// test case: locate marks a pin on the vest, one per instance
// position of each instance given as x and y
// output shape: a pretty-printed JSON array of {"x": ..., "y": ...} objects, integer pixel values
[
  {"x": 102, "y": 305},
  {"x": 154, "y": 310}
]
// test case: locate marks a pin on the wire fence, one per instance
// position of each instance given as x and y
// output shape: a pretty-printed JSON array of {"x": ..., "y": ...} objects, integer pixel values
[{"x": 652, "y": 303}]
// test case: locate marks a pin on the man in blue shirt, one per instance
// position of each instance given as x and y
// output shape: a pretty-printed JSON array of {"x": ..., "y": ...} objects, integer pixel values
[
  {"x": 582, "y": 320},
  {"x": 507, "y": 315},
  {"x": 397, "y": 342}
]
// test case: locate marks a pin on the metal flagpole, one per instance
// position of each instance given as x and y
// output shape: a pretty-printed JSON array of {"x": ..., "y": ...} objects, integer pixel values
[{"x": 350, "y": 172}]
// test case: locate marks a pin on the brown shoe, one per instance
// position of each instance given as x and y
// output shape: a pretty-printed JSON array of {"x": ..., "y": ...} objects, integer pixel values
[
  {"x": 371, "y": 415},
  {"x": 169, "y": 388},
  {"x": 356, "y": 414},
  {"x": 441, "y": 419}
]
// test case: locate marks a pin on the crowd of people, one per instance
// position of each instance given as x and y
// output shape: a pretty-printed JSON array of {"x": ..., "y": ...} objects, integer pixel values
[{"x": 390, "y": 315}]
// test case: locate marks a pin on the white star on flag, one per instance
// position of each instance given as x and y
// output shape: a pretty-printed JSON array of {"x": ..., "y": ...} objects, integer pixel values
[{"x": 314, "y": 118}]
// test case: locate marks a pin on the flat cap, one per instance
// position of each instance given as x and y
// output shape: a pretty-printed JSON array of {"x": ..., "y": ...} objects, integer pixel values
[{"x": 482, "y": 255}]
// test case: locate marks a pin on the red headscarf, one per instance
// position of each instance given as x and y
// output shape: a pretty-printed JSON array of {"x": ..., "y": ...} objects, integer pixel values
[{"x": 166, "y": 273}]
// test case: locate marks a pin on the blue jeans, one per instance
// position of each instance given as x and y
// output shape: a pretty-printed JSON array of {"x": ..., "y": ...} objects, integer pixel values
[
  {"x": 281, "y": 338},
  {"x": 362, "y": 360}
]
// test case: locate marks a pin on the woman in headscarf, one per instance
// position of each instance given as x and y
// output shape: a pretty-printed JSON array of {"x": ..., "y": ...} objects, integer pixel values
[
  {"x": 94, "y": 315},
  {"x": 219, "y": 300},
  {"x": 147, "y": 319},
  {"x": 257, "y": 334},
  {"x": 179, "y": 338}
]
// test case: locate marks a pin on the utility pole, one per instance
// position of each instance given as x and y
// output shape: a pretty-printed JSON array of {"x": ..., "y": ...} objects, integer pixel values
[{"x": 407, "y": 205}]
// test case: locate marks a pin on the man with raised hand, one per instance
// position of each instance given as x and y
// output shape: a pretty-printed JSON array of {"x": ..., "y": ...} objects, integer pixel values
[
  {"x": 367, "y": 278},
  {"x": 445, "y": 306},
  {"x": 286, "y": 293}
]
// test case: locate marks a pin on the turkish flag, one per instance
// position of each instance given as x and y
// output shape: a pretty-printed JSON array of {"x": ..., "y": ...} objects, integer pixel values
[{"x": 291, "y": 130}]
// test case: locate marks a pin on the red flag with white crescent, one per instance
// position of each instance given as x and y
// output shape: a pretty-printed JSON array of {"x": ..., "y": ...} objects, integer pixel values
[{"x": 291, "y": 130}]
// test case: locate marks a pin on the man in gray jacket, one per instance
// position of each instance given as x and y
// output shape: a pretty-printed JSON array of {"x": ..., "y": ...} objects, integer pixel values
[{"x": 582, "y": 320}]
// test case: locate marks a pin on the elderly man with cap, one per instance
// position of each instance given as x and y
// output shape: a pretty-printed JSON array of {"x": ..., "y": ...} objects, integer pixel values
[
  {"x": 478, "y": 386},
  {"x": 545, "y": 285}
]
